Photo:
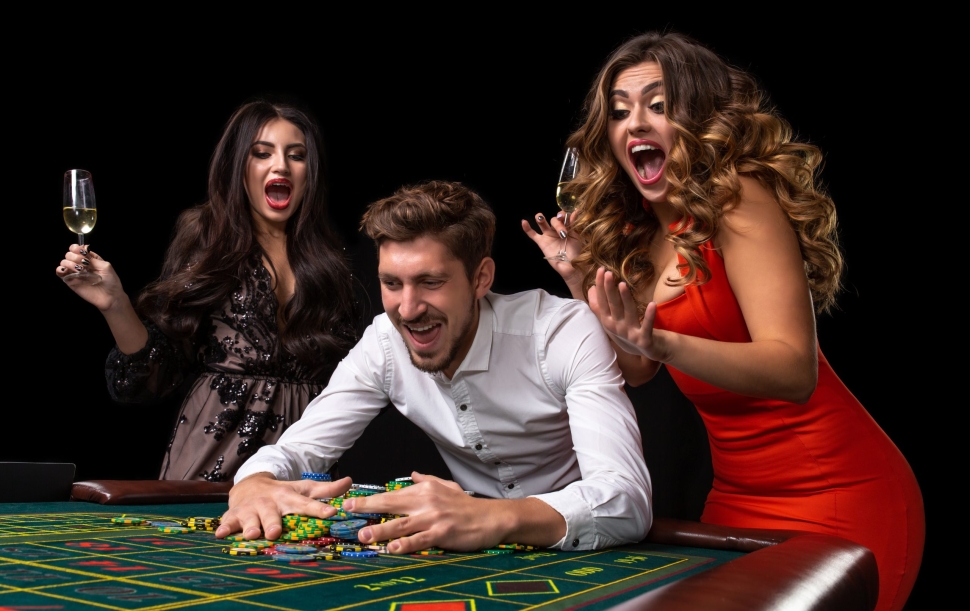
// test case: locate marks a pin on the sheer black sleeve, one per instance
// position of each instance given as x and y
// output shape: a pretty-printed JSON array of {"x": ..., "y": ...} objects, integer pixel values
[{"x": 149, "y": 374}]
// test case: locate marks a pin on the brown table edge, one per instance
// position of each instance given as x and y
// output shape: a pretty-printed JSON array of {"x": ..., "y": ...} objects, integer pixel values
[
  {"x": 149, "y": 492},
  {"x": 791, "y": 570}
]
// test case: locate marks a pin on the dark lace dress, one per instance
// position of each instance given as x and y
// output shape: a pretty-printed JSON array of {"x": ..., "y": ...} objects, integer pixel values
[{"x": 247, "y": 390}]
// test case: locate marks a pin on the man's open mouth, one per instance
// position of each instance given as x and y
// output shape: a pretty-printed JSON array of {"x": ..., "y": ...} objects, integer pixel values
[{"x": 425, "y": 333}]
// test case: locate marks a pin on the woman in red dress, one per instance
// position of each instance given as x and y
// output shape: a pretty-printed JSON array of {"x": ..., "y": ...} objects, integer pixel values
[{"x": 702, "y": 242}]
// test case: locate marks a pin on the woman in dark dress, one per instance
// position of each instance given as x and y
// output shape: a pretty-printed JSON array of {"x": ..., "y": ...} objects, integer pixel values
[{"x": 254, "y": 306}]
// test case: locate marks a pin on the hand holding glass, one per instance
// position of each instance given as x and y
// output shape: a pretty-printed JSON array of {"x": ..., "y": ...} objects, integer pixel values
[
  {"x": 80, "y": 214},
  {"x": 567, "y": 201}
]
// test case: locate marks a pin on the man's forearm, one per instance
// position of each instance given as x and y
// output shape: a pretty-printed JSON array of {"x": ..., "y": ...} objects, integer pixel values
[{"x": 527, "y": 521}]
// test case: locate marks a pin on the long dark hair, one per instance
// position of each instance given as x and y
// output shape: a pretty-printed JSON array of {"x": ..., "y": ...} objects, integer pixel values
[{"x": 214, "y": 242}]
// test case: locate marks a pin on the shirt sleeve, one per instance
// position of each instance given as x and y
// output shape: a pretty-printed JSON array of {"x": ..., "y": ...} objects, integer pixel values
[
  {"x": 611, "y": 504},
  {"x": 149, "y": 374},
  {"x": 335, "y": 419}
]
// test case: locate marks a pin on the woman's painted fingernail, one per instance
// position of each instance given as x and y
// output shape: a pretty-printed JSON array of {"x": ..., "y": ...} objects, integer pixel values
[
  {"x": 560, "y": 215},
  {"x": 562, "y": 234},
  {"x": 540, "y": 218},
  {"x": 83, "y": 252},
  {"x": 78, "y": 267},
  {"x": 63, "y": 269},
  {"x": 85, "y": 262}
]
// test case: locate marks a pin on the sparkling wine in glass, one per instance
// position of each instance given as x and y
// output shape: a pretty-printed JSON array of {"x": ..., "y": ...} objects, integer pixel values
[
  {"x": 80, "y": 214},
  {"x": 567, "y": 201}
]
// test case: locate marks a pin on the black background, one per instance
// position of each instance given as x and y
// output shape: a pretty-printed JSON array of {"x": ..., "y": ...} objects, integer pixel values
[{"x": 489, "y": 106}]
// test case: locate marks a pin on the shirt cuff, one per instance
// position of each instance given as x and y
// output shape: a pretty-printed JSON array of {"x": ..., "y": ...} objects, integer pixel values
[
  {"x": 580, "y": 526},
  {"x": 251, "y": 468}
]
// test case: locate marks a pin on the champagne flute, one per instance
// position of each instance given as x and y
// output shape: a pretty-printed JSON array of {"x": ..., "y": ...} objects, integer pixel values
[
  {"x": 80, "y": 214},
  {"x": 567, "y": 201}
]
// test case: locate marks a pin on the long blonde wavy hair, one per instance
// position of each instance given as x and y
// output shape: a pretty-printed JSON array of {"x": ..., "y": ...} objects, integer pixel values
[{"x": 723, "y": 129}]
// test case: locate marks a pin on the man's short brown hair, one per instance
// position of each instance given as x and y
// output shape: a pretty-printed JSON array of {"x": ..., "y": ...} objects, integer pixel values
[{"x": 449, "y": 212}]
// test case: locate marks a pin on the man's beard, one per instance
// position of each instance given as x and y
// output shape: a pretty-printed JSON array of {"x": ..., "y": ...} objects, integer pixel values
[{"x": 450, "y": 352}]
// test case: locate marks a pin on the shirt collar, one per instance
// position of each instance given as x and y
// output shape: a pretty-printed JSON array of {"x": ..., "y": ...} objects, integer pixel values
[{"x": 481, "y": 348}]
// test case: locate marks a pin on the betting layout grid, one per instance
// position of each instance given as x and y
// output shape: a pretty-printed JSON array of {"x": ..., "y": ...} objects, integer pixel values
[
  {"x": 134, "y": 567},
  {"x": 77, "y": 560}
]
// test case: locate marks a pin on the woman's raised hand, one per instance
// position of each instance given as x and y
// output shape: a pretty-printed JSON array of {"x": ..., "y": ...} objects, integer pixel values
[
  {"x": 550, "y": 241},
  {"x": 614, "y": 306},
  {"x": 105, "y": 295}
]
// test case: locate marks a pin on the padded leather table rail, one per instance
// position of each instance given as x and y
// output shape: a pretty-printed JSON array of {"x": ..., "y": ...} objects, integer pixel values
[
  {"x": 149, "y": 492},
  {"x": 784, "y": 570}
]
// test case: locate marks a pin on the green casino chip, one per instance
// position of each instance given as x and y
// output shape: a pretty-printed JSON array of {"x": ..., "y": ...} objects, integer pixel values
[{"x": 236, "y": 538}]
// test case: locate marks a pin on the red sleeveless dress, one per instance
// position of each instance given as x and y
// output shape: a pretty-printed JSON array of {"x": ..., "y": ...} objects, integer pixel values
[{"x": 824, "y": 467}]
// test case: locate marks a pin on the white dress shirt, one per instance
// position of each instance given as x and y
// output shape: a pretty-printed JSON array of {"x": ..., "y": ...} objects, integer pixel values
[{"x": 536, "y": 408}]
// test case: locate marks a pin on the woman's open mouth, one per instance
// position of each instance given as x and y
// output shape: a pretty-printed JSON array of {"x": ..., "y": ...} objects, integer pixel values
[
  {"x": 648, "y": 160},
  {"x": 278, "y": 193}
]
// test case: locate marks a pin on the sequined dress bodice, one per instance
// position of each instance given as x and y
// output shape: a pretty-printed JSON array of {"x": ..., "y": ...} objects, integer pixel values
[{"x": 246, "y": 388}]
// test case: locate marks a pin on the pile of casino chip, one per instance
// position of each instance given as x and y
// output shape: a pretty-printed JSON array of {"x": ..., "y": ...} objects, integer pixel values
[{"x": 311, "y": 539}]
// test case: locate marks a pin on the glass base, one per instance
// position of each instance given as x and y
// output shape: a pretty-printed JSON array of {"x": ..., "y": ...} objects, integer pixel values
[
  {"x": 560, "y": 257},
  {"x": 86, "y": 277}
]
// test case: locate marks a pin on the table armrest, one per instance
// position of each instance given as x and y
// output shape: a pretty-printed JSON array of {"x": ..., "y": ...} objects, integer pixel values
[
  {"x": 149, "y": 492},
  {"x": 668, "y": 531},
  {"x": 789, "y": 570}
]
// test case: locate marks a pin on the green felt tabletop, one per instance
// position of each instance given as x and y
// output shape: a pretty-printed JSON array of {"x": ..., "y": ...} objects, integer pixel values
[{"x": 70, "y": 556}]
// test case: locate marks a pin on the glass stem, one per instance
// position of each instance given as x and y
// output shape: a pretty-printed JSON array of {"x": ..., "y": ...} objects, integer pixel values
[
  {"x": 565, "y": 220},
  {"x": 80, "y": 239}
]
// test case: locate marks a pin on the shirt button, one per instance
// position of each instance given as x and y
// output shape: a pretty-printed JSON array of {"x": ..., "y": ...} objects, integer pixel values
[
  {"x": 575, "y": 542},
  {"x": 511, "y": 486},
  {"x": 462, "y": 407},
  {"x": 478, "y": 446}
]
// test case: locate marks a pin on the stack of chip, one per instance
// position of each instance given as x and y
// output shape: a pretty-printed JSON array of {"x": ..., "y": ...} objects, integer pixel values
[
  {"x": 347, "y": 515},
  {"x": 202, "y": 523},
  {"x": 333, "y": 538},
  {"x": 365, "y": 553},
  {"x": 161, "y": 523},
  {"x": 347, "y": 529},
  {"x": 299, "y": 528},
  {"x": 256, "y": 544},
  {"x": 355, "y": 492},
  {"x": 126, "y": 521},
  {"x": 399, "y": 483}
]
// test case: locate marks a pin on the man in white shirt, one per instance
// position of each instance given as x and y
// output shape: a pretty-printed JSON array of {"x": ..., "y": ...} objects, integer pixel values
[{"x": 521, "y": 394}]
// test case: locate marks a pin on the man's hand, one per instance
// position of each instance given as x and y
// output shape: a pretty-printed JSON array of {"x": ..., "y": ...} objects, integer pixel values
[
  {"x": 438, "y": 513},
  {"x": 257, "y": 503}
]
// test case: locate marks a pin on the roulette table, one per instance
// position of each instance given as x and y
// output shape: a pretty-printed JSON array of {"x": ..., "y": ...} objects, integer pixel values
[{"x": 70, "y": 555}]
